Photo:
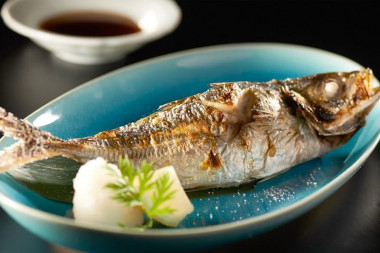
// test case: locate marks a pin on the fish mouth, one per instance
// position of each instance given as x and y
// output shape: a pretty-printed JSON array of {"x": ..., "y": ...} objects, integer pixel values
[
  {"x": 374, "y": 95},
  {"x": 366, "y": 80}
]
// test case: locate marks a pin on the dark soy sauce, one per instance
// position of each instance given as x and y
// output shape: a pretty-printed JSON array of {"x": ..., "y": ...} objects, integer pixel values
[{"x": 90, "y": 24}]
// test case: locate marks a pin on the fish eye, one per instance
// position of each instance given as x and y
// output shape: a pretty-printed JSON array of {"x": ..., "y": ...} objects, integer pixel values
[{"x": 330, "y": 89}]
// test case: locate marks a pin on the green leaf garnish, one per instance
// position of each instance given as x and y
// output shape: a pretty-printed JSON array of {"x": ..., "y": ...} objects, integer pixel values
[{"x": 131, "y": 187}]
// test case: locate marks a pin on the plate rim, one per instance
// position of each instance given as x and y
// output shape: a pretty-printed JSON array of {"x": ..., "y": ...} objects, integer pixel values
[{"x": 310, "y": 201}]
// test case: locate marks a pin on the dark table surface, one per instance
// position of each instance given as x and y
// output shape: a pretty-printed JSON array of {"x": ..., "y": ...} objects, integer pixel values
[{"x": 348, "y": 221}]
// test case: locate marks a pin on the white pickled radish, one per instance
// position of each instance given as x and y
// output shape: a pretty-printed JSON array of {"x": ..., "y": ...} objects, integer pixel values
[
  {"x": 180, "y": 202},
  {"x": 93, "y": 201}
]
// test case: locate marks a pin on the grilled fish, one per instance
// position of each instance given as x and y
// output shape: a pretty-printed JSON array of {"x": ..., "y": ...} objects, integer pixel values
[{"x": 231, "y": 134}]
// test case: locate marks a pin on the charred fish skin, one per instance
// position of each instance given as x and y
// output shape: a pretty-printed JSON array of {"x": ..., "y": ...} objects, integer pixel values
[{"x": 232, "y": 133}]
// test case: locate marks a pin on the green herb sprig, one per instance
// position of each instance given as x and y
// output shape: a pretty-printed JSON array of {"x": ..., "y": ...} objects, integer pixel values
[{"x": 131, "y": 193}]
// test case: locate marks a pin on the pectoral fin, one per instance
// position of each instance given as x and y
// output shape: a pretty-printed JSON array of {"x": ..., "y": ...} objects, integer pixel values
[{"x": 237, "y": 113}]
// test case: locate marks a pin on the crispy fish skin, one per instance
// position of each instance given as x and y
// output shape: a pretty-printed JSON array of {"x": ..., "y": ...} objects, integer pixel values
[{"x": 231, "y": 134}]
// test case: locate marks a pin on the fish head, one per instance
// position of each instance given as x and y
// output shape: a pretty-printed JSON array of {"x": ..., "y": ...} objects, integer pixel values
[{"x": 334, "y": 103}]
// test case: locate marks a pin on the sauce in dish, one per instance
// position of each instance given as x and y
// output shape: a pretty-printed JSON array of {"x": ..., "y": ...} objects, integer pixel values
[{"x": 90, "y": 24}]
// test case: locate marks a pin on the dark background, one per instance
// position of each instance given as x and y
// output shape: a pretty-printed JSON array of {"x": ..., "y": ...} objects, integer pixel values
[{"x": 348, "y": 221}]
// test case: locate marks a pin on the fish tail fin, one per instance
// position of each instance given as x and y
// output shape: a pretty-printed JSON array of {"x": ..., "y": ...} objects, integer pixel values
[{"x": 32, "y": 144}]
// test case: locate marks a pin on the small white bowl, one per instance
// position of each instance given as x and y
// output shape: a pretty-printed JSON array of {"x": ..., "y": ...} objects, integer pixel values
[{"x": 156, "y": 18}]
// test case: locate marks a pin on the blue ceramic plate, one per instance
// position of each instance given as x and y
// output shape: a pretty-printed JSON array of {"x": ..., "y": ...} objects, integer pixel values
[{"x": 220, "y": 216}]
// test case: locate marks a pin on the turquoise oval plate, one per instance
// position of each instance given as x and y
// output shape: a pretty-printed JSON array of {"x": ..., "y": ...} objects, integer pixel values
[{"x": 220, "y": 216}]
